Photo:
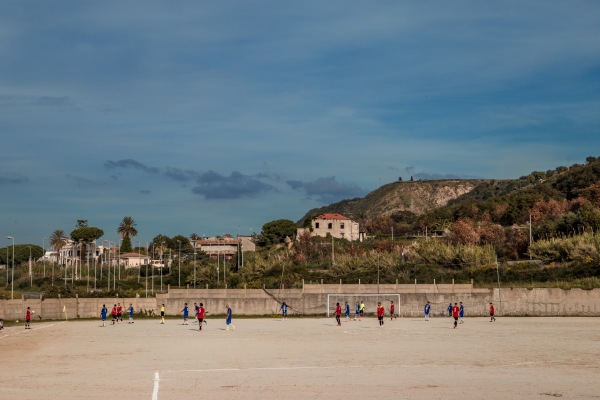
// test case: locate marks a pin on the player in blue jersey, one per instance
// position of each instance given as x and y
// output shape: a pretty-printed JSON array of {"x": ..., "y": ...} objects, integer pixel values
[
  {"x": 228, "y": 320},
  {"x": 427, "y": 311},
  {"x": 185, "y": 313},
  {"x": 461, "y": 313},
  {"x": 450, "y": 309},
  {"x": 284, "y": 309},
  {"x": 357, "y": 315},
  {"x": 103, "y": 313},
  {"x": 130, "y": 309},
  {"x": 347, "y": 312},
  {"x": 196, "y": 310}
]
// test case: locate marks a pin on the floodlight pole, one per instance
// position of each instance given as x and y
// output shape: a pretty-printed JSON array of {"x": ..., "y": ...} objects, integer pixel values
[{"x": 12, "y": 279}]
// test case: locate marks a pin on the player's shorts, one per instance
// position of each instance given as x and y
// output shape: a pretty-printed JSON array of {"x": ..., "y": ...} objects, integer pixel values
[
  {"x": 456, "y": 318},
  {"x": 119, "y": 315},
  {"x": 380, "y": 318},
  {"x": 491, "y": 314},
  {"x": 104, "y": 318},
  {"x": 162, "y": 313},
  {"x": 200, "y": 320}
]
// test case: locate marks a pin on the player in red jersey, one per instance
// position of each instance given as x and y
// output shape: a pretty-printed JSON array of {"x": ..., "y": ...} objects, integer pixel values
[
  {"x": 380, "y": 312},
  {"x": 338, "y": 313},
  {"x": 114, "y": 314},
  {"x": 492, "y": 318},
  {"x": 392, "y": 310},
  {"x": 119, "y": 312},
  {"x": 455, "y": 311},
  {"x": 201, "y": 312},
  {"x": 28, "y": 318}
]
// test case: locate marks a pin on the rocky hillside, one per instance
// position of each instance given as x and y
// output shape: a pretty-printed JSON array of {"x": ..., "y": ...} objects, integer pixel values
[{"x": 397, "y": 198}]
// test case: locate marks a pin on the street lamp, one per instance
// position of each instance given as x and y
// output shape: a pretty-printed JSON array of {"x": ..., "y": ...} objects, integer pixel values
[{"x": 12, "y": 279}]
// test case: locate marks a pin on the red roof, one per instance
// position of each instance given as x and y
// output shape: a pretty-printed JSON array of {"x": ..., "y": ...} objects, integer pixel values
[{"x": 332, "y": 216}]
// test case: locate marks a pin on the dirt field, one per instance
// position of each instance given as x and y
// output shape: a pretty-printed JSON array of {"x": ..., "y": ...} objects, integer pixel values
[{"x": 512, "y": 358}]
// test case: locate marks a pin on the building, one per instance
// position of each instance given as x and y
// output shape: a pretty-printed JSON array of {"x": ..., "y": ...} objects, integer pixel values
[
  {"x": 133, "y": 260},
  {"x": 336, "y": 225},
  {"x": 225, "y": 246}
]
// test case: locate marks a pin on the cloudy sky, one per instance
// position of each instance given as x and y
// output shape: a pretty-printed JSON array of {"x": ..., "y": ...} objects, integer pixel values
[{"x": 215, "y": 117}]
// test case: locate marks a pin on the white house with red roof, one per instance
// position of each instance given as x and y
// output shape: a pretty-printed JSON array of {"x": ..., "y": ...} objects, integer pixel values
[{"x": 336, "y": 225}]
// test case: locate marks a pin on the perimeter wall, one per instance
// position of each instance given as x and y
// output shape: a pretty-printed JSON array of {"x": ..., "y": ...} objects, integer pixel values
[{"x": 313, "y": 300}]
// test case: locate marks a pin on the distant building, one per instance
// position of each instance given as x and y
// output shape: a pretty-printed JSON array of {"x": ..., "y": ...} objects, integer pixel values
[
  {"x": 226, "y": 246},
  {"x": 134, "y": 260},
  {"x": 336, "y": 225}
]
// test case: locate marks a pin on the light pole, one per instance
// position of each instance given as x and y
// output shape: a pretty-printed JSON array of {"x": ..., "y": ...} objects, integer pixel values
[
  {"x": 12, "y": 279},
  {"x": 153, "y": 255},
  {"x": 44, "y": 255},
  {"x": 30, "y": 269},
  {"x": 179, "y": 259},
  {"x": 139, "y": 262},
  {"x": 108, "y": 266},
  {"x": 194, "y": 266}
]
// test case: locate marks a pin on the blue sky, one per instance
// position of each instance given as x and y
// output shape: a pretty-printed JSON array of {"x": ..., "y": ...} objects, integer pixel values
[{"x": 217, "y": 117}]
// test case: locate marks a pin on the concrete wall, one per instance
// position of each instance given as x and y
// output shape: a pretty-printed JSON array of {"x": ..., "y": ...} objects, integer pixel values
[{"x": 312, "y": 299}]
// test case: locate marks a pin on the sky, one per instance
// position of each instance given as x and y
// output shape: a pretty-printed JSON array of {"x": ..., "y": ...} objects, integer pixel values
[{"x": 212, "y": 117}]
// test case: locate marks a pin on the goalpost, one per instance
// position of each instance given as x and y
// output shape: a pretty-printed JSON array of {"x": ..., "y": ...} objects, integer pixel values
[{"x": 370, "y": 301}]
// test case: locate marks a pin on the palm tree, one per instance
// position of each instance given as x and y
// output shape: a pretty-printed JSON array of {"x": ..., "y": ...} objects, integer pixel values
[
  {"x": 127, "y": 230},
  {"x": 57, "y": 241}
]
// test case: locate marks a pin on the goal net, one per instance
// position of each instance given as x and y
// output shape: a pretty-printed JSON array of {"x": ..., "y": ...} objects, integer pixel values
[{"x": 370, "y": 301}]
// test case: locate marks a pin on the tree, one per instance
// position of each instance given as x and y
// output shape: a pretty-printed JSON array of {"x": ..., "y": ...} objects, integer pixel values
[
  {"x": 86, "y": 234},
  {"x": 58, "y": 241},
  {"x": 127, "y": 230},
  {"x": 463, "y": 232},
  {"x": 276, "y": 231}
]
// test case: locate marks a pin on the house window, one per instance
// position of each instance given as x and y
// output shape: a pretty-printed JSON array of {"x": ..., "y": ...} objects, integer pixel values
[
  {"x": 329, "y": 225},
  {"x": 316, "y": 225},
  {"x": 342, "y": 225}
]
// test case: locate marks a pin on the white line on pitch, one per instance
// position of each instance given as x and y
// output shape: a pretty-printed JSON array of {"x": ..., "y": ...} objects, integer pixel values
[
  {"x": 264, "y": 368},
  {"x": 34, "y": 329},
  {"x": 155, "y": 390}
]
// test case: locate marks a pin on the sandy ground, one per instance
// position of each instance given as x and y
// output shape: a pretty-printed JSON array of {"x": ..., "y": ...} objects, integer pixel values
[{"x": 512, "y": 358}]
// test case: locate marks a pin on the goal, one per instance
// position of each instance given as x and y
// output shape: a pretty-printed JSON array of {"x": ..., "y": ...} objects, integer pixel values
[{"x": 370, "y": 301}]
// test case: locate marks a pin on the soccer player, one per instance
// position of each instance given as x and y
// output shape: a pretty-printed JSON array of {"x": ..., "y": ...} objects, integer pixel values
[
  {"x": 162, "y": 313},
  {"x": 492, "y": 318},
  {"x": 357, "y": 315},
  {"x": 114, "y": 314},
  {"x": 338, "y": 313},
  {"x": 461, "y": 313},
  {"x": 200, "y": 316},
  {"x": 450, "y": 309},
  {"x": 119, "y": 312},
  {"x": 196, "y": 310},
  {"x": 455, "y": 313},
  {"x": 380, "y": 312},
  {"x": 185, "y": 313},
  {"x": 392, "y": 310},
  {"x": 427, "y": 310},
  {"x": 130, "y": 310},
  {"x": 28, "y": 318},
  {"x": 284, "y": 308},
  {"x": 347, "y": 311},
  {"x": 362, "y": 308},
  {"x": 103, "y": 313},
  {"x": 228, "y": 320}
]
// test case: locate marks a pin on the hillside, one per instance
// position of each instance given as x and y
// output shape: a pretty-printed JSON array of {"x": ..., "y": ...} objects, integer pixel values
[
  {"x": 401, "y": 198},
  {"x": 561, "y": 200}
]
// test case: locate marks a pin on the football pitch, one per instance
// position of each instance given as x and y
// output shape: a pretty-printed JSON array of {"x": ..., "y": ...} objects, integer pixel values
[{"x": 304, "y": 358}]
